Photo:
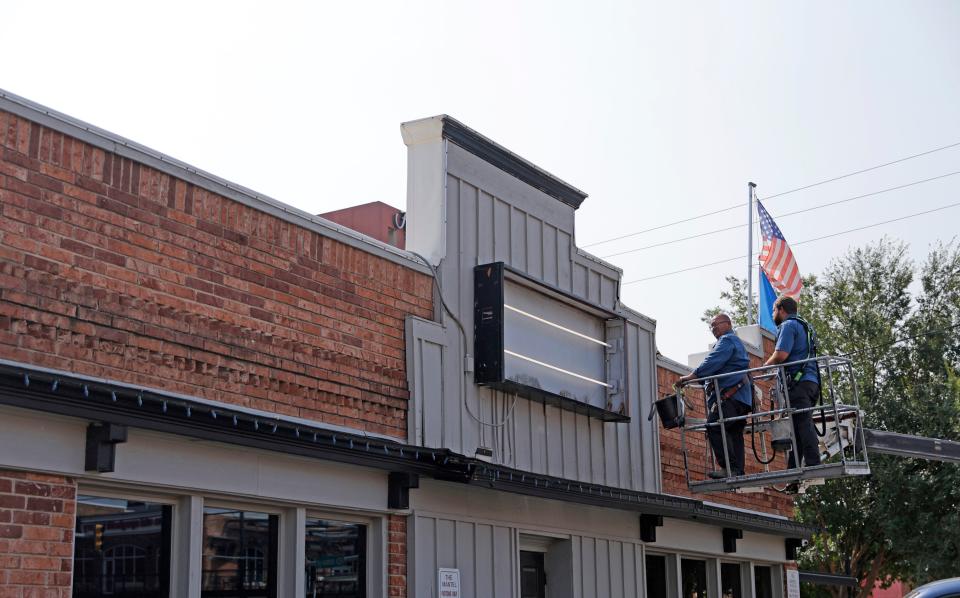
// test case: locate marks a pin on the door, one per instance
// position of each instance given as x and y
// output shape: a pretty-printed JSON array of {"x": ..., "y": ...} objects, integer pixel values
[{"x": 533, "y": 576}]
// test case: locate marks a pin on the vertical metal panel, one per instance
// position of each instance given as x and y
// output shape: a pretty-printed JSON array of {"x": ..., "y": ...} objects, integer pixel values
[
  {"x": 611, "y": 457},
  {"x": 425, "y": 560},
  {"x": 534, "y": 247},
  {"x": 608, "y": 291},
  {"x": 484, "y": 560},
  {"x": 593, "y": 287},
  {"x": 588, "y": 566},
  {"x": 485, "y": 227},
  {"x": 523, "y": 448},
  {"x": 554, "y": 441},
  {"x": 602, "y": 558},
  {"x": 628, "y": 564},
  {"x": 502, "y": 231},
  {"x": 596, "y": 451},
  {"x": 466, "y": 555},
  {"x": 568, "y": 434},
  {"x": 564, "y": 263},
  {"x": 576, "y": 546},
  {"x": 518, "y": 239},
  {"x": 583, "y": 447},
  {"x": 538, "y": 434},
  {"x": 504, "y": 570},
  {"x": 579, "y": 287},
  {"x": 446, "y": 543},
  {"x": 431, "y": 361},
  {"x": 550, "y": 255}
]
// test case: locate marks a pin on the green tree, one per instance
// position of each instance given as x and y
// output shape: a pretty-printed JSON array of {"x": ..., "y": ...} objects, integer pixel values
[{"x": 903, "y": 521}]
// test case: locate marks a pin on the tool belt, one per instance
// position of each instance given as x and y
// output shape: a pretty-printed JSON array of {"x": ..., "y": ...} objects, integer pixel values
[{"x": 728, "y": 392}]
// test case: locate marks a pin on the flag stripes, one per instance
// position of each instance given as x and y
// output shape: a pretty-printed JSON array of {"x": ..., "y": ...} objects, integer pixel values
[{"x": 776, "y": 258}]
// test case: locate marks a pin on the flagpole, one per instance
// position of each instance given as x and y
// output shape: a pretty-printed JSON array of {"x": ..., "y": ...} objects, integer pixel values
[{"x": 750, "y": 188}]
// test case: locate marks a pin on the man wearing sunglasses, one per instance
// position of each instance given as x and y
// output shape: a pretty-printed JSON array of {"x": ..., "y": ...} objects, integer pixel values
[{"x": 736, "y": 394}]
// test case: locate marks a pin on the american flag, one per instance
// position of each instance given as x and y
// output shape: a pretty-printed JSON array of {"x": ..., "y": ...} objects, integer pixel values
[{"x": 776, "y": 259}]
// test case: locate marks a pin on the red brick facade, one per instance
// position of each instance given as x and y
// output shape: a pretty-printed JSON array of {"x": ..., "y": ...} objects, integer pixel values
[
  {"x": 36, "y": 535},
  {"x": 397, "y": 557},
  {"x": 671, "y": 457},
  {"x": 113, "y": 269}
]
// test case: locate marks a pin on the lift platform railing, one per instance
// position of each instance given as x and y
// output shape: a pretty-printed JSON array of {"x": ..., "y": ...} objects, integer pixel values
[{"x": 837, "y": 416}]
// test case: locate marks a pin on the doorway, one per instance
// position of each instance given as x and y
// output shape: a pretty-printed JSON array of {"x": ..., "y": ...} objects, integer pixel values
[{"x": 533, "y": 575}]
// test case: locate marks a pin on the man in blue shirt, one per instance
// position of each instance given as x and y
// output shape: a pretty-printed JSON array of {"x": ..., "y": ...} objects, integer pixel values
[
  {"x": 803, "y": 381},
  {"x": 736, "y": 393}
]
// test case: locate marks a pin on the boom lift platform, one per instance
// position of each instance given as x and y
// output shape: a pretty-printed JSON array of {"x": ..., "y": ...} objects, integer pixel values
[
  {"x": 843, "y": 441},
  {"x": 769, "y": 428}
]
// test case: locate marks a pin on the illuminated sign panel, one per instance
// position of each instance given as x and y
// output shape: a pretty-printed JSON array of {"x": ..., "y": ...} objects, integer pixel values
[{"x": 544, "y": 344}]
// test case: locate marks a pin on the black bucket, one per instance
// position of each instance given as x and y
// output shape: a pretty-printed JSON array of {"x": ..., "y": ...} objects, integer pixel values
[{"x": 668, "y": 409}]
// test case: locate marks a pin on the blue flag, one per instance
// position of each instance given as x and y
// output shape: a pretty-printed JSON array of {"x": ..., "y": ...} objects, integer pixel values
[{"x": 767, "y": 297}]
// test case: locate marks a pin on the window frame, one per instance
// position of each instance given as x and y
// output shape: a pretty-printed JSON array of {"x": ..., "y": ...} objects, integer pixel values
[
  {"x": 374, "y": 545},
  {"x": 274, "y": 565},
  {"x": 168, "y": 539}
]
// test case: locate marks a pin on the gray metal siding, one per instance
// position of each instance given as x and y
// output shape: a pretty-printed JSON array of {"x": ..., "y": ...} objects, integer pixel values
[
  {"x": 487, "y": 556},
  {"x": 604, "y": 567},
  {"x": 534, "y": 234}
]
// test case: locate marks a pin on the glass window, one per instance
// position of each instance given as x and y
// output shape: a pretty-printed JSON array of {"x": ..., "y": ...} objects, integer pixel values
[
  {"x": 239, "y": 554},
  {"x": 763, "y": 581},
  {"x": 730, "y": 580},
  {"x": 122, "y": 548},
  {"x": 694, "y": 576},
  {"x": 336, "y": 558},
  {"x": 656, "y": 575}
]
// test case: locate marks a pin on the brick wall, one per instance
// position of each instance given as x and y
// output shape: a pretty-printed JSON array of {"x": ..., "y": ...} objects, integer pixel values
[
  {"x": 397, "y": 557},
  {"x": 113, "y": 269},
  {"x": 700, "y": 457},
  {"x": 36, "y": 535}
]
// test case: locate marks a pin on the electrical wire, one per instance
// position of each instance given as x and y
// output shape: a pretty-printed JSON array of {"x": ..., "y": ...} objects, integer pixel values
[
  {"x": 463, "y": 338},
  {"x": 837, "y": 234},
  {"x": 784, "y": 215},
  {"x": 843, "y": 176},
  {"x": 782, "y": 193}
]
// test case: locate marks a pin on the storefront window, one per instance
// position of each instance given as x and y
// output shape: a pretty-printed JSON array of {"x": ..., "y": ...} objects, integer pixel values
[
  {"x": 335, "y": 559},
  {"x": 656, "y": 575},
  {"x": 730, "y": 583},
  {"x": 763, "y": 581},
  {"x": 239, "y": 554},
  {"x": 693, "y": 573},
  {"x": 122, "y": 548}
]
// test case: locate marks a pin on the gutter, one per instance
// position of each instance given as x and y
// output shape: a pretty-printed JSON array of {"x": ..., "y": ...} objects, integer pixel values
[{"x": 29, "y": 387}]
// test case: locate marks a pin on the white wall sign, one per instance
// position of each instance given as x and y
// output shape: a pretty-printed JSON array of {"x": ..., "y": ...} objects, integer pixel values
[
  {"x": 793, "y": 583},
  {"x": 449, "y": 583}
]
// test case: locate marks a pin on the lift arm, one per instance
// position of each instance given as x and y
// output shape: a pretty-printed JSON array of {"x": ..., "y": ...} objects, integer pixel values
[{"x": 905, "y": 445}]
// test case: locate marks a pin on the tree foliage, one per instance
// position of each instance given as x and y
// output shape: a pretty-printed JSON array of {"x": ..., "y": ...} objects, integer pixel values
[{"x": 903, "y": 335}]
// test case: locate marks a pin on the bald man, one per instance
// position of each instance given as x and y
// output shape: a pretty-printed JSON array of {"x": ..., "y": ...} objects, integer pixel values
[{"x": 736, "y": 394}]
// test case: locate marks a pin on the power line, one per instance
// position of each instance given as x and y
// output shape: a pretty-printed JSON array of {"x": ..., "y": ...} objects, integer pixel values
[
  {"x": 843, "y": 176},
  {"x": 784, "y": 215},
  {"x": 740, "y": 205},
  {"x": 852, "y": 230}
]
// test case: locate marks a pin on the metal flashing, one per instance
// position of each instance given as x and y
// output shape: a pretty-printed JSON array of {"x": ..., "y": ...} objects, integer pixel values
[
  {"x": 27, "y": 387},
  {"x": 121, "y": 146},
  {"x": 511, "y": 163},
  {"x": 598, "y": 260},
  {"x": 672, "y": 365}
]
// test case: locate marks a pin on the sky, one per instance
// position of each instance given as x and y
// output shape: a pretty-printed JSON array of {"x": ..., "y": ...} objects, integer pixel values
[{"x": 661, "y": 111}]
